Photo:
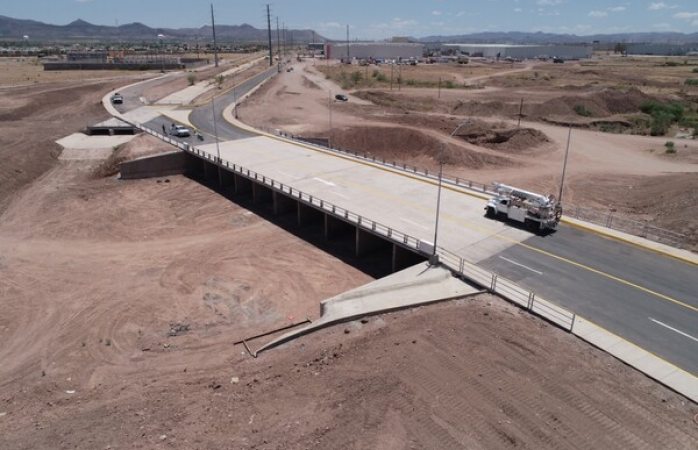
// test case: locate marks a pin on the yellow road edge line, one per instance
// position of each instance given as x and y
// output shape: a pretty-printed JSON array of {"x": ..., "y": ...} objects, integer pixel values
[
  {"x": 611, "y": 277},
  {"x": 601, "y": 232},
  {"x": 674, "y": 366}
]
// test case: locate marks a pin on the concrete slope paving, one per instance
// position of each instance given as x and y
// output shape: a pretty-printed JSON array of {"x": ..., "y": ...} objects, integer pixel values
[{"x": 417, "y": 285}]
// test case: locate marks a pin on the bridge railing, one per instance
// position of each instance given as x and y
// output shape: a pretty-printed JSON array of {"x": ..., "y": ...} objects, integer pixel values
[
  {"x": 605, "y": 219},
  {"x": 508, "y": 289}
]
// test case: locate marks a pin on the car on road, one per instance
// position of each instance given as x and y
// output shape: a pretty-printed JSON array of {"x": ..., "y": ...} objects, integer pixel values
[
  {"x": 180, "y": 131},
  {"x": 117, "y": 98},
  {"x": 341, "y": 97},
  {"x": 557, "y": 60}
]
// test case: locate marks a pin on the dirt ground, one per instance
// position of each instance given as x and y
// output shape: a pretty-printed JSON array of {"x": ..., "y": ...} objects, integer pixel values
[
  {"x": 410, "y": 125},
  {"x": 121, "y": 302}
]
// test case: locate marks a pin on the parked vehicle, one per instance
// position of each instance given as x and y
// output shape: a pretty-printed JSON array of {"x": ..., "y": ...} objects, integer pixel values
[
  {"x": 341, "y": 98},
  {"x": 536, "y": 211},
  {"x": 117, "y": 98}
]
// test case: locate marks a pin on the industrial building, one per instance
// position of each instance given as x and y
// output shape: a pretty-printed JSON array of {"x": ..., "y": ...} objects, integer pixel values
[
  {"x": 660, "y": 49},
  {"x": 524, "y": 51},
  {"x": 374, "y": 50}
]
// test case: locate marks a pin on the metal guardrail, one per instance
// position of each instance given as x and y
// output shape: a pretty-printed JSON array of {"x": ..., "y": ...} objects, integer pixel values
[{"x": 607, "y": 219}]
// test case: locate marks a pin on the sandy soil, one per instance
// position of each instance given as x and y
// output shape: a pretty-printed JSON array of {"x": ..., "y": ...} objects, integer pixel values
[
  {"x": 411, "y": 125},
  {"x": 121, "y": 301}
]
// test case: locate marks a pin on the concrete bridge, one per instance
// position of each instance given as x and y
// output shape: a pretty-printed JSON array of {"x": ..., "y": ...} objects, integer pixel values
[{"x": 644, "y": 294}]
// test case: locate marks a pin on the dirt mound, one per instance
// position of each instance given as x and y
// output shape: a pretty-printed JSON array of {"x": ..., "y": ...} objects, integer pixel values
[
  {"x": 409, "y": 146},
  {"x": 138, "y": 147},
  {"x": 667, "y": 201},
  {"x": 599, "y": 104},
  {"x": 502, "y": 137}
]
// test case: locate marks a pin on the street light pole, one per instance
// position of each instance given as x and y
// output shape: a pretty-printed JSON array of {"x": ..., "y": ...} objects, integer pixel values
[
  {"x": 434, "y": 259},
  {"x": 218, "y": 148},
  {"x": 329, "y": 103},
  {"x": 564, "y": 165}
]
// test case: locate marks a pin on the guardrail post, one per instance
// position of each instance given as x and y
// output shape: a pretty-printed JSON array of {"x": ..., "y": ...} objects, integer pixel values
[
  {"x": 574, "y": 318},
  {"x": 531, "y": 299},
  {"x": 493, "y": 285}
]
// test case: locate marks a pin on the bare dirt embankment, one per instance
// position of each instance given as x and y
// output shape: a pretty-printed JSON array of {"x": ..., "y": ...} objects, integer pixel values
[{"x": 32, "y": 118}]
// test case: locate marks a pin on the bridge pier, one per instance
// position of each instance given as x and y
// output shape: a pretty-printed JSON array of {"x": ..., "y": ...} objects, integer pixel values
[
  {"x": 403, "y": 258},
  {"x": 227, "y": 180},
  {"x": 335, "y": 228},
  {"x": 283, "y": 203},
  {"x": 308, "y": 215},
  {"x": 242, "y": 184},
  {"x": 260, "y": 193},
  {"x": 368, "y": 243}
]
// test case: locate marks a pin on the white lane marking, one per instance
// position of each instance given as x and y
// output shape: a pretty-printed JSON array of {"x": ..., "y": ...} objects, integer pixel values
[
  {"x": 673, "y": 329},
  {"x": 520, "y": 265},
  {"x": 143, "y": 100},
  {"x": 329, "y": 183},
  {"x": 414, "y": 223}
]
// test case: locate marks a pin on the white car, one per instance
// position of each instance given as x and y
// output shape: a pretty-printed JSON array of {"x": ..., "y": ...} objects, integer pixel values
[{"x": 180, "y": 131}]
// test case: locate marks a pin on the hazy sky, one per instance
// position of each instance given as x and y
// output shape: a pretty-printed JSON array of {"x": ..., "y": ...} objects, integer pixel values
[{"x": 377, "y": 19}]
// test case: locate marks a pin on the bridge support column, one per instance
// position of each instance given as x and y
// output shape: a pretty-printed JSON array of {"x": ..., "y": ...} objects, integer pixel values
[
  {"x": 308, "y": 215},
  {"x": 335, "y": 228},
  {"x": 227, "y": 179},
  {"x": 368, "y": 243},
  {"x": 283, "y": 203},
  {"x": 403, "y": 258},
  {"x": 260, "y": 193},
  {"x": 242, "y": 184}
]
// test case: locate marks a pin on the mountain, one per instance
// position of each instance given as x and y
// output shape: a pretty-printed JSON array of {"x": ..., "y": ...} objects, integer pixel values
[
  {"x": 517, "y": 37},
  {"x": 15, "y": 29}
]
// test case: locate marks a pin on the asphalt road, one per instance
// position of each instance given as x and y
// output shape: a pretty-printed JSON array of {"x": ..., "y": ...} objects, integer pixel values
[
  {"x": 646, "y": 298},
  {"x": 202, "y": 117}
]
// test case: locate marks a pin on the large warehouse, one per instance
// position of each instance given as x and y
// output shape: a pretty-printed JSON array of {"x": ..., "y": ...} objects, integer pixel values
[
  {"x": 525, "y": 51},
  {"x": 375, "y": 50}
]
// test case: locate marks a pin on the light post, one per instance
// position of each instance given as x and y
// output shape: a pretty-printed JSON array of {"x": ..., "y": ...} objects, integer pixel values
[
  {"x": 434, "y": 259},
  {"x": 235, "y": 99},
  {"x": 329, "y": 103},
  {"x": 564, "y": 165},
  {"x": 218, "y": 148}
]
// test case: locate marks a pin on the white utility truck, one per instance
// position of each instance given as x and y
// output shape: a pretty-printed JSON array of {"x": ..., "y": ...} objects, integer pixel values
[{"x": 536, "y": 211}]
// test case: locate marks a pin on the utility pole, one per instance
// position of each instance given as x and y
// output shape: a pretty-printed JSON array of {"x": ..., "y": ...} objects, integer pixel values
[
  {"x": 348, "y": 55},
  {"x": 271, "y": 54},
  {"x": 520, "y": 113},
  {"x": 329, "y": 104},
  {"x": 215, "y": 46},
  {"x": 564, "y": 165},
  {"x": 283, "y": 39},
  {"x": 278, "y": 44},
  {"x": 215, "y": 132}
]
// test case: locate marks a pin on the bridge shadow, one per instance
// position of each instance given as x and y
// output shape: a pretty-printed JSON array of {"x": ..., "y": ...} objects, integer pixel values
[{"x": 377, "y": 263}]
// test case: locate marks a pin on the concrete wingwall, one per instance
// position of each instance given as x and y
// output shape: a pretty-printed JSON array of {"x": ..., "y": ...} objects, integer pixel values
[{"x": 164, "y": 164}]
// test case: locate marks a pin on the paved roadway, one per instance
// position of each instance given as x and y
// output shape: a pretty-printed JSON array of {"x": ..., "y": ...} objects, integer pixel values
[{"x": 646, "y": 298}]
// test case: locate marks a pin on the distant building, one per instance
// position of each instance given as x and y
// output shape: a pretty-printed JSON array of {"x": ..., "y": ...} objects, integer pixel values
[
  {"x": 375, "y": 50},
  {"x": 661, "y": 49},
  {"x": 524, "y": 51}
]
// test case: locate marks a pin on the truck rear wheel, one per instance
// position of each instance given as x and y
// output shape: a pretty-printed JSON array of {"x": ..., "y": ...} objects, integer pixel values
[{"x": 490, "y": 212}]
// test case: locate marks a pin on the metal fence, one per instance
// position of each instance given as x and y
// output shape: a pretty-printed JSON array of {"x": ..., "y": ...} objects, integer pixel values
[{"x": 607, "y": 219}]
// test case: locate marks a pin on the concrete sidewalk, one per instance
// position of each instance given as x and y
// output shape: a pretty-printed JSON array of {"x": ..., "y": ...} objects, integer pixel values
[
  {"x": 418, "y": 285},
  {"x": 653, "y": 366},
  {"x": 187, "y": 95}
]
